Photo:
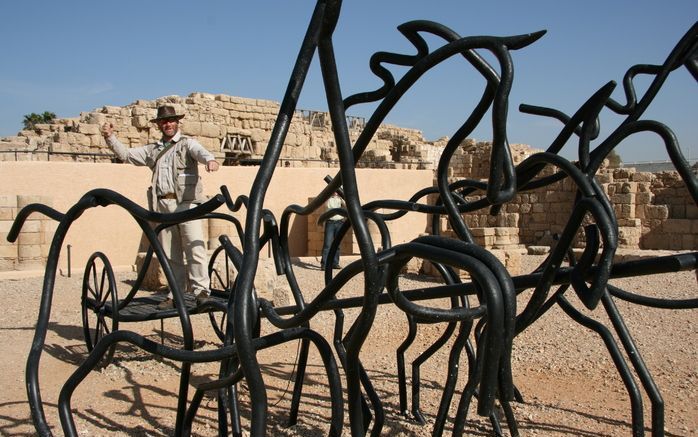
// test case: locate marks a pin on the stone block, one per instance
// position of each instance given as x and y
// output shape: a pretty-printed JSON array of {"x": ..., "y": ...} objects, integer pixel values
[
  {"x": 143, "y": 108},
  {"x": 8, "y": 201},
  {"x": 8, "y": 251},
  {"x": 154, "y": 278},
  {"x": 538, "y": 250},
  {"x": 94, "y": 142},
  {"x": 677, "y": 226},
  {"x": 140, "y": 121},
  {"x": 482, "y": 232},
  {"x": 691, "y": 211},
  {"x": 111, "y": 110},
  {"x": 7, "y": 264},
  {"x": 659, "y": 212},
  {"x": 644, "y": 198},
  {"x": 513, "y": 260},
  {"x": 628, "y": 187},
  {"x": 94, "y": 118},
  {"x": 89, "y": 129},
  {"x": 29, "y": 251},
  {"x": 675, "y": 242},
  {"x": 30, "y": 226},
  {"x": 618, "y": 198},
  {"x": 24, "y": 200},
  {"x": 629, "y": 236},
  {"x": 506, "y": 231},
  {"x": 624, "y": 211},
  {"x": 604, "y": 178},
  {"x": 192, "y": 128},
  {"x": 641, "y": 211},
  {"x": 630, "y": 222},
  {"x": 642, "y": 177},
  {"x": 210, "y": 130},
  {"x": 688, "y": 242},
  {"x": 30, "y": 238},
  {"x": 677, "y": 211}
]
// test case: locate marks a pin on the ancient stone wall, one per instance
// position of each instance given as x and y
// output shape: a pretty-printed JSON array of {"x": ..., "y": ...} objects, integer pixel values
[
  {"x": 654, "y": 210},
  {"x": 349, "y": 245},
  {"x": 30, "y": 250},
  {"x": 233, "y": 128}
]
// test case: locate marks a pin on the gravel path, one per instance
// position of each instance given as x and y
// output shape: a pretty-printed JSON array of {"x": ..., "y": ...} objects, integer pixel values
[{"x": 567, "y": 379}]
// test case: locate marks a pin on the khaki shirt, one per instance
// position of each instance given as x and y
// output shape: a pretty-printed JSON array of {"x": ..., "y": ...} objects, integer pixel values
[
  {"x": 176, "y": 171},
  {"x": 333, "y": 203}
]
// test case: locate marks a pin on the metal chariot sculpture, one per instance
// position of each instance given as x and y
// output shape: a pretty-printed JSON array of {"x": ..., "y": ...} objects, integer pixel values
[{"x": 495, "y": 319}]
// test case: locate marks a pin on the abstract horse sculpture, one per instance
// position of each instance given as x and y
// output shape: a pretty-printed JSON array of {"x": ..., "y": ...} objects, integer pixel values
[{"x": 484, "y": 307}]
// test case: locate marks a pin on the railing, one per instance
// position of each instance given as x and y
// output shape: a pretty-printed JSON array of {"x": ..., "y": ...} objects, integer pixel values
[
  {"x": 93, "y": 156},
  {"x": 320, "y": 119}
]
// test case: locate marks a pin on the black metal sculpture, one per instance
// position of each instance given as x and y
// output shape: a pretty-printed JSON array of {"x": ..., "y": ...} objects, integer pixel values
[{"x": 494, "y": 319}]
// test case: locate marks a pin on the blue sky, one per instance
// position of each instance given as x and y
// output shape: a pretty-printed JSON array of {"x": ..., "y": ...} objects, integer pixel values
[{"x": 75, "y": 56}]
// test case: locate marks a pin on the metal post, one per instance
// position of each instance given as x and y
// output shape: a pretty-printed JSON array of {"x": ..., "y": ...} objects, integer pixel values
[{"x": 68, "y": 247}]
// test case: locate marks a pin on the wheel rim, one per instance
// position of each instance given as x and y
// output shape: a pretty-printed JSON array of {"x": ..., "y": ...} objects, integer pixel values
[
  {"x": 98, "y": 288},
  {"x": 222, "y": 272}
]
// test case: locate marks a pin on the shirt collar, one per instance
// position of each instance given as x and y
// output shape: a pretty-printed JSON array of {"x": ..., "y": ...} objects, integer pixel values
[{"x": 174, "y": 139}]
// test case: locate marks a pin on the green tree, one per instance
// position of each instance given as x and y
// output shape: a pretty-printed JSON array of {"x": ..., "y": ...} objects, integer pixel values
[
  {"x": 31, "y": 120},
  {"x": 614, "y": 160}
]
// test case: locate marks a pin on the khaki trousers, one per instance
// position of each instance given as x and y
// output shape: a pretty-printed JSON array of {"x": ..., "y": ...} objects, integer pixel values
[{"x": 185, "y": 240}]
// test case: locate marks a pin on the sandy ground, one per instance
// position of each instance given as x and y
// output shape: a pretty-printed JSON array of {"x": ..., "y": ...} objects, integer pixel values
[{"x": 563, "y": 371}]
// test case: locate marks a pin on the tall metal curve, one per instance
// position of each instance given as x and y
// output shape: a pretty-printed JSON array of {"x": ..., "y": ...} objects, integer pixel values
[{"x": 485, "y": 306}]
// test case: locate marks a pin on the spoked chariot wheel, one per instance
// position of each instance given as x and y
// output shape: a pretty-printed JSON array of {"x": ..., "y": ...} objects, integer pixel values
[
  {"x": 99, "y": 303},
  {"x": 222, "y": 272}
]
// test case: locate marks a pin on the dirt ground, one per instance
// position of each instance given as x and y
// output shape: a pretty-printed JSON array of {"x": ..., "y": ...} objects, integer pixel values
[{"x": 563, "y": 371}]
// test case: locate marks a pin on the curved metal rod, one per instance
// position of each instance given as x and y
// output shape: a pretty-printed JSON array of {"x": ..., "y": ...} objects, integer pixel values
[
  {"x": 187, "y": 357},
  {"x": 682, "y": 54},
  {"x": 589, "y": 200},
  {"x": 638, "y": 363},
  {"x": 621, "y": 365},
  {"x": 506, "y": 285},
  {"x": 558, "y": 115},
  {"x": 492, "y": 295},
  {"x": 275, "y": 339},
  {"x": 320, "y": 21},
  {"x": 233, "y": 205},
  {"x": 376, "y": 218},
  {"x": 24, "y": 214},
  {"x": 586, "y": 112},
  {"x": 449, "y": 277},
  {"x": 670, "y": 142},
  {"x": 653, "y": 302},
  {"x": 147, "y": 259},
  {"x": 98, "y": 197}
]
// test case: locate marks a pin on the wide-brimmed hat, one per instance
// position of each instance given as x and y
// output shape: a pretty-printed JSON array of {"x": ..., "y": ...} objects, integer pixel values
[{"x": 167, "y": 111}]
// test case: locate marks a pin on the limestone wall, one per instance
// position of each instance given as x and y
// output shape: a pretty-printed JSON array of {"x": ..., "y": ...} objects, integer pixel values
[
  {"x": 653, "y": 209},
  {"x": 30, "y": 250},
  {"x": 233, "y": 128},
  {"x": 111, "y": 230},
  {"x": 349, "y": 245}
]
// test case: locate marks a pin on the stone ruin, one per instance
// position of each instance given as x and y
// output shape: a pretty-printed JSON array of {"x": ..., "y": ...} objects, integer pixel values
[
  {"x": 485, "y": 309},
  {"x": 654, "y": 209},
  {"x": 235, "y": 129}
]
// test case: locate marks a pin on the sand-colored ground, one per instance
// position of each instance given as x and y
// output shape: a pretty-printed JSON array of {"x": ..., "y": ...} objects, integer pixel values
[{"x": 567, "y": 378}]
